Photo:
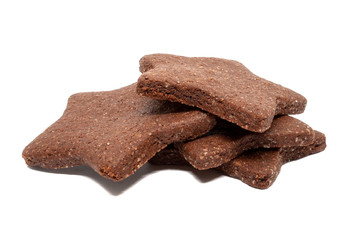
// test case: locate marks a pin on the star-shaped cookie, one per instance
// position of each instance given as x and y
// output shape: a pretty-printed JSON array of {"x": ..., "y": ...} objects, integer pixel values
[
  {"x": 227, "y": 141},
  {"x": 222, "y": 87},
  {"x": 258, "y": 168},
  {"x": 114, "y": 132}
]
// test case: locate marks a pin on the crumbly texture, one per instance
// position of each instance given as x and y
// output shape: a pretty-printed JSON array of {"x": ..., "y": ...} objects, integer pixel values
[
  {"x": 227, "y": 141},
  {"x": 222, "y": 87},
  {"x": 114, "y": 132},
  {"x": 258, "y": 168}
]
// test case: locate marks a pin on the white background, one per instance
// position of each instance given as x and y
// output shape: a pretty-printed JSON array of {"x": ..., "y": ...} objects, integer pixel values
[{"x": 52, "y": 49}]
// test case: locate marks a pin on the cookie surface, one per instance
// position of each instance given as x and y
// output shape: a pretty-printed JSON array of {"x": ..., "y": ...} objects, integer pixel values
[
  {"x": 227, "y": 141},
  {"x": 258, "y": 168},
  {"x": 222, "y": 87},
  {"x": 114, "y": 132}
]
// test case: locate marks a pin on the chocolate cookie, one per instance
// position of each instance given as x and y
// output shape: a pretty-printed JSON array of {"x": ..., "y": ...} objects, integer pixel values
[
  {"x": 227, "y": 141},
  {"x": 222, "y": 87},
  {"x": 169, "y": 156},
  {"x": 259, "y": 168},
  {"x": 114, "y": 132}
]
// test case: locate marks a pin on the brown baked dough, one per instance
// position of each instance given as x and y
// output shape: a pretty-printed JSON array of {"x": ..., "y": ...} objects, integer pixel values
[
  {"x": 227, "y": 141},
  {"x": 222, "y": 87},
  {"x": 169, "y": 156},
  {"x": 258, "y": 168},
  {"x": 114, "y": 132}
]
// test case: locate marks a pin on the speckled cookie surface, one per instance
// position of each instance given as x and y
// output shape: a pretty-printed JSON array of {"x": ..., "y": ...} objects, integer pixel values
[
  {"x": 259, "y": 168},
  {"x": 227, "y": 141},
  {"x": 114, "y": 132},
  {"x": 222, "y": 87}
]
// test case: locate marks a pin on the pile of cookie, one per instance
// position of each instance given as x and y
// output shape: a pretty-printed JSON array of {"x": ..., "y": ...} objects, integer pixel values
[{"x": 204, "y": 112}]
